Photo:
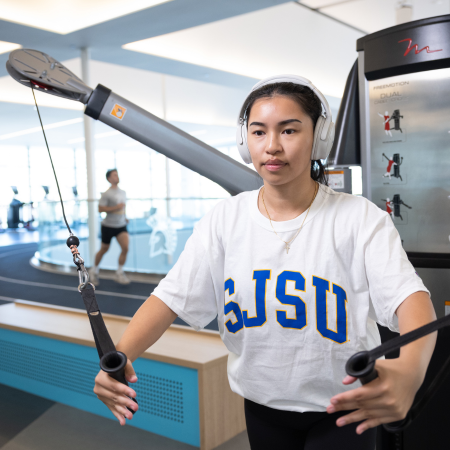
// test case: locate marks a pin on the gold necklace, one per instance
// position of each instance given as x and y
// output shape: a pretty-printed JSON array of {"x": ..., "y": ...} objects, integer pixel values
[{"x": 286, "y": 243}]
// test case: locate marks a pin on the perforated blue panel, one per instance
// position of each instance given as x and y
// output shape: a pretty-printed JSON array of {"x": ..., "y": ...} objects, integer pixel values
[{"x": 65, "y": 372}]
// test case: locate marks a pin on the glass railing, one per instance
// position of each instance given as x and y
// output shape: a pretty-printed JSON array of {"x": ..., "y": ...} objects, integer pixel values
[{"x": 158, "y": 229}]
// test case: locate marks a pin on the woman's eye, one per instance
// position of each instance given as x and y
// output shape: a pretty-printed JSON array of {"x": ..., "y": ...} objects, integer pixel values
[
  {"x": 258, "y": 133},
  {"x": 289, "y": 131}
]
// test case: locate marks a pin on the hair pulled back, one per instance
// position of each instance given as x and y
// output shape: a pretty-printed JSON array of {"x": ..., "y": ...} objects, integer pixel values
[{"x": 305, "y": 98}]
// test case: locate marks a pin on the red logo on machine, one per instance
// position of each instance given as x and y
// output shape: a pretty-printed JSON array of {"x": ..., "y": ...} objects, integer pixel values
[{"x": 416, "y": 48}]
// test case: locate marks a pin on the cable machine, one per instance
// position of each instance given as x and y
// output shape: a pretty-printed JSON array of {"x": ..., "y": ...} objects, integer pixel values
[
  {"x": 394, "y": 121},
  {"x": 352, "y": 146}
]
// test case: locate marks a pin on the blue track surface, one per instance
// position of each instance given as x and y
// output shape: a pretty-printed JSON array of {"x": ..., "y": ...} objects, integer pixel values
[{"x": 15, "y": 265}]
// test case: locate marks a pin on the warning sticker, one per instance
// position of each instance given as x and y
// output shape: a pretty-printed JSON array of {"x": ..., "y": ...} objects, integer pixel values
[
  {"x": 118, "y": 111},
  {"x": 336, "y": 179}
]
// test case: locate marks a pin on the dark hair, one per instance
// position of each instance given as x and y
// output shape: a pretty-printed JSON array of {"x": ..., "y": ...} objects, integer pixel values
[
  {"x": 109, "y": 172},
  {"x": 307, "y": 100}
]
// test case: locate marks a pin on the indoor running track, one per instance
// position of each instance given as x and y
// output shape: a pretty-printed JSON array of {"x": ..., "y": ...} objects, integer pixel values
[{"x": 19, "y": 280}]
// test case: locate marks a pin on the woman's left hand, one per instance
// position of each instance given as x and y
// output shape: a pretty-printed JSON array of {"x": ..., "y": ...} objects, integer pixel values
[{"x": 386, "y": 399}]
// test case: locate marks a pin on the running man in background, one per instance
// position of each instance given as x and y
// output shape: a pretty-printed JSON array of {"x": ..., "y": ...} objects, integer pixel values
[{"x": 114, "y": 224}]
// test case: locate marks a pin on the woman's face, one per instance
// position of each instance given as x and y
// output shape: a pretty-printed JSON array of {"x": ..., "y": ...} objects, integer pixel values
[{"x": 280, "y": 137}]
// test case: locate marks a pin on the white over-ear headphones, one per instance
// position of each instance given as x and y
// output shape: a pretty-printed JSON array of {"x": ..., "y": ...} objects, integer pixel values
[{"x": 323, "y": 131}]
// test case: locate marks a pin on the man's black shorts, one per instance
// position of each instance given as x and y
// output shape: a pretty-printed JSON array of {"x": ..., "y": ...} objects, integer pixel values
[{"x": 108, "y": 233}]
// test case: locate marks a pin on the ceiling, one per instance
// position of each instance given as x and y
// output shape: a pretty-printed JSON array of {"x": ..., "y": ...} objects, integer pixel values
[
  {"x": 182, "y": 35},
  {"x": 210, "y": 51},
  {"x": 264, "y": 43},
  {"x": 374, "y": 15},
  {"x": 52, "y": 15},
  {"x": 105, "y": 39}
]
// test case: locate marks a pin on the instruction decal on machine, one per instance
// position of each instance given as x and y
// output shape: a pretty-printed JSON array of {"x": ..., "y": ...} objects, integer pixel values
[
  {"x": 118, "y": 111},
  {"x": 336, "y": 179}
]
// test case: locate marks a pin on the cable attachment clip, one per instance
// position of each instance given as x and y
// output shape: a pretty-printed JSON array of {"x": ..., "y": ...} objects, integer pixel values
[{"x": 73, "y": 242}]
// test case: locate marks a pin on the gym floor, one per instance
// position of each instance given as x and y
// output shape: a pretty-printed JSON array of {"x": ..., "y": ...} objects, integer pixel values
[
  {"x": 34, "y": 423},
  {"x": 20, "y": 236}
]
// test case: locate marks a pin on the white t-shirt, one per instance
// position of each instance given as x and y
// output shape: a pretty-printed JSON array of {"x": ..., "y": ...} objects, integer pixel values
[
  {"x": 113, "y": 197},
  {"x": 291, "y": 320}
]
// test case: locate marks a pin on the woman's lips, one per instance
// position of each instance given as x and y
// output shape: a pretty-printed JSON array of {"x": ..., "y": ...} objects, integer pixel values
[{"x": 274, "y": 167}]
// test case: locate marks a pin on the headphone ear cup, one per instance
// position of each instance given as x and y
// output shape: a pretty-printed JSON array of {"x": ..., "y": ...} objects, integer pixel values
[
  {"x": 241, "y": 142},
  {"x": 321, "y": 148},
  {"x": 316, "y": 149},
  {"x": 330, "y": 139}
]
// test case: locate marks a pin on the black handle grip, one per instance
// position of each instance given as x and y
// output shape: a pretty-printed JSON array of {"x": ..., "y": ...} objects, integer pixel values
[
  {"x": 358, "y": 366},
  {"x": 113, "y": 363}
]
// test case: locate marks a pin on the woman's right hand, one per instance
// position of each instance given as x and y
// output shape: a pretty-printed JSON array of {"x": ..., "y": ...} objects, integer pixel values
[{"x": 115, "y": 395}]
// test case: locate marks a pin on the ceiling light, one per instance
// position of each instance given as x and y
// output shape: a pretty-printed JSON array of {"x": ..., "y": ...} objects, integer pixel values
[
  {"x": 60, "y": 17},
  {"x": 274, "y": 40},
  {"x": 6, "y": 47},
  {"x": 317, "y": 4},
  {"x": 36, "y": 129}
]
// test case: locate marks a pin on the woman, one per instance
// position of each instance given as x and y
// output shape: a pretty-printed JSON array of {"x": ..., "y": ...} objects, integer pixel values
[{"x": 298, "y": 275}]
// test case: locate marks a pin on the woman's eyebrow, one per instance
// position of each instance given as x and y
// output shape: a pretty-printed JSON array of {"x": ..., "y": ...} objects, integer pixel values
[{"x": 285, "y": 122}]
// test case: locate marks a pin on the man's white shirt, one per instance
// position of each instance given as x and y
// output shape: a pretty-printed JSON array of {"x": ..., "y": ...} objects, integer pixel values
[{"x": 113, "y": 197}]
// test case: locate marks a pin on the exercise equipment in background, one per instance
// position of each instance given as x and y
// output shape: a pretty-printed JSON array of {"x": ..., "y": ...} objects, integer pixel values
[{"x": 15, "y": 213}]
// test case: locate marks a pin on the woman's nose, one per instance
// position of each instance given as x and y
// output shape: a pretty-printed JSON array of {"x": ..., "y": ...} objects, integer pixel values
[{"x": 273, "y": 143}]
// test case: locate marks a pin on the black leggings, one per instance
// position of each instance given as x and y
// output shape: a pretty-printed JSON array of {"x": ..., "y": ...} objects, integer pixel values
[{"x": 271, "y": 429}]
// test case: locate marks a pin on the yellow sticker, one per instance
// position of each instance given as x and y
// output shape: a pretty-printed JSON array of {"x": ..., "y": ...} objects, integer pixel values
[{"x": 118, "y": 111}]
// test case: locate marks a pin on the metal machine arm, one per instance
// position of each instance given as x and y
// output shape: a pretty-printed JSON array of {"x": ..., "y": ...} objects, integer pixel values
[{"x": 33, "y": 68}]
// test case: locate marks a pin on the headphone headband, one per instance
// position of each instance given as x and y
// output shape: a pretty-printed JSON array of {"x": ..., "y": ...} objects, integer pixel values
[
  {"x": 297, "y": 80},
  {"x": 324, "y": 132}
]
